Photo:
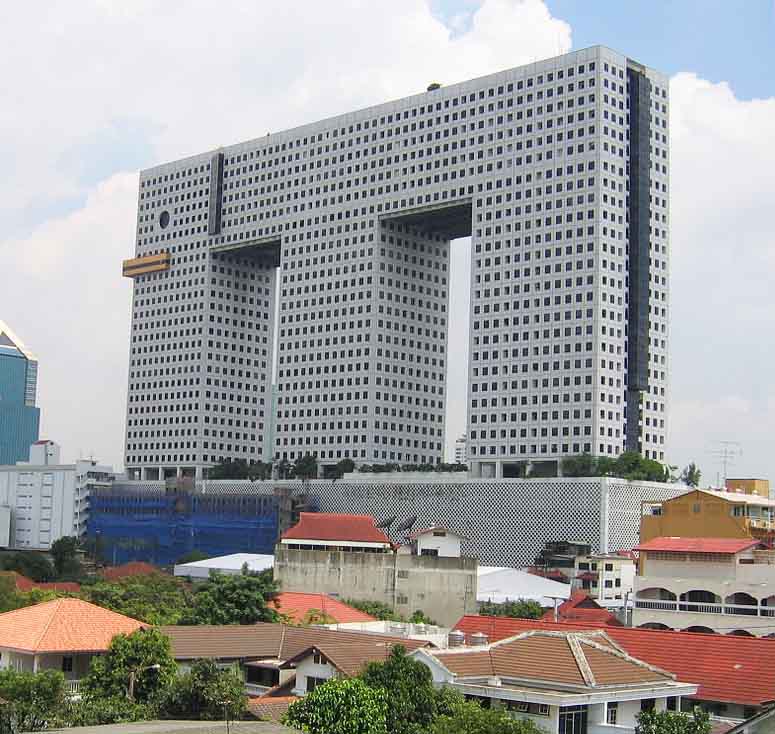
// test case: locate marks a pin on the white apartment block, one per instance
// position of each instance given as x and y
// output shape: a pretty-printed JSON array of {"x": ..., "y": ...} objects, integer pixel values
[
  {"x": 461, "y": 450},
  {"x": 606, "y": 577},
  {"x": 724, "y": 585},
  {"x": 45, "y": 500},
  {"x": 557, "y": 170}
]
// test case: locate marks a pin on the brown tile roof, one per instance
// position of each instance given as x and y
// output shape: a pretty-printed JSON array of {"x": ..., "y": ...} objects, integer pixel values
[
  {"x": 63, "y": 625},
  {"x": 331, "y": 526},
  {"x": 297, "y": 607},
  {"x": 589, "y": 659},
  {"x": 348, "y": 651},
  {"x": 270, "y": 708}
]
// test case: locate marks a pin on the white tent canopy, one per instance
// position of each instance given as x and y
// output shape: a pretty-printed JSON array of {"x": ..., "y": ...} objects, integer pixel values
[{"x": 498, "y": 584}]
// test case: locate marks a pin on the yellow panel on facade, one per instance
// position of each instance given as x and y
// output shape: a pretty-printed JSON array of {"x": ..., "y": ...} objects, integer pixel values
[{"x": 155, "y": 263}]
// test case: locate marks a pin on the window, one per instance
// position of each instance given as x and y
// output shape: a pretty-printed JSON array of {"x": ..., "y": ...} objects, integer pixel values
[
  {"x": 429, "y": 552},
  {"x": 647, "y": 704},
  {"x": 318, "y": 659},
  {"x": 67, "y": 664},
  {"x": 611, "y": 712},
  {"x": 439, "y": 534},
  {"x": 401, "y": 599},
  {"x": 403, "y": 574},
  {"x": 313, "y": 683}
]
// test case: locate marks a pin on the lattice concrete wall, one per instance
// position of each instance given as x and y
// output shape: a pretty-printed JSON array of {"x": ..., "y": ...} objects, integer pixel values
[{"x": 506, "y": 521}]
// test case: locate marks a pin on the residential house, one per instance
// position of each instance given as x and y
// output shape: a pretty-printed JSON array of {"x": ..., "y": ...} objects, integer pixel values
[
  {"x": 566, "y": 682},
  {"x": 270, "y": 655},
  {"x": 63, "y": 634},
  {"x": 706, "y": 585},
  {"x": 347, "y": 556},
  {"x": 581, "y": 607},
  {"x": 735, "y": 675}
]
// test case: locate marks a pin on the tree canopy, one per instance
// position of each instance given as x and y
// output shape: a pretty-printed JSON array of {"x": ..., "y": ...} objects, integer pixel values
[
  {"x": 691, "y": 475},
  {"x": 470, "y": 718},
  {"x": 628, "y": 465},
  {"x": 205, "y": 692},
  {"x": 409, "y": 691},
  {"x": 32, "y": 564},
  {"x": 519, "y": 609},
  {"x": 64, "y": 552},
  {"x": 305, "y": 467},
  {"x": 36, "y": 699},
  {"x": 153, "y": 598},
  {"x": 144, "y": 655},
  {"x": 670, "y": 722},
  {"x": 233, "y": 599},
  {"x": 340, "y": 706}
]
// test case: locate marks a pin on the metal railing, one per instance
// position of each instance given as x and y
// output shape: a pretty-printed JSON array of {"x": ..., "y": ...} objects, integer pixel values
[
  {"x": 704, "y": 607},
  {"x": 73, "y": 687}
]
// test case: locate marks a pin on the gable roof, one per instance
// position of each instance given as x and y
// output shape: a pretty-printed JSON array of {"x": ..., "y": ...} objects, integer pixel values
[
  {"x": 9, "y": 339},
  {"x": 581, "y": 607},
  {"x": 133, "y": 568},
  {"x": 298, "y": 606},
  {"x": 280, "y": 642},
  {"x": 573, "y": 659},
  {"x": 674, "y": 544},
  {"x": 728, "y": 668},
  {"x": 331, "y": 526},
  {"x": 63, "y": 625}
]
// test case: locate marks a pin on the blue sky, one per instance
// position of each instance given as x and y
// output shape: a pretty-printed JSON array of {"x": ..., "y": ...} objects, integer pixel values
[{"x": 718, "y": 39}]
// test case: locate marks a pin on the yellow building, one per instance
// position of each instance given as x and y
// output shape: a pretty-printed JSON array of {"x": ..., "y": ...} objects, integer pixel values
[
  {"x": 706, "y": 513},
  {"x": 760, "y": 487}
]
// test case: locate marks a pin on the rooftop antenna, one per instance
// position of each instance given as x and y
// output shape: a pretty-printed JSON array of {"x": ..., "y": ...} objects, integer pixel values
[{"x": 726, "y": 453}]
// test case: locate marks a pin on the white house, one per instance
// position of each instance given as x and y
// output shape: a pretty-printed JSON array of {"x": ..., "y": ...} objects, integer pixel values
[{"x": 566, "y": 682}]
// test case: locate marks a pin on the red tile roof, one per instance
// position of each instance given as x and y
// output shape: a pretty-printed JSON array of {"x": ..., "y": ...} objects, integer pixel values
[
  {"x": 24, "y": 584},
  {"x": 270, "y": 708},
  {"x": 331, "y": 526},
  {"x": 697, "y": 545},
  {"x": 581, "y": 607},
  {"x": 298, "y": 606},
  {"x": 63, "y": 625},
  {"x": 133, "y": 568},
  {"x": 728, "y": 668}
]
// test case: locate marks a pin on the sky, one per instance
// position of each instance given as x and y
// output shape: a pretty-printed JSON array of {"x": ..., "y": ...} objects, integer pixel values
[{"x": 94, "y": 91}]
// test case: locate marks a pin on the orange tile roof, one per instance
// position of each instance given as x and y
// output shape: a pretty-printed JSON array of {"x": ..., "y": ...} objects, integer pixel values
[
  {"x": 697, "y": 545},
  {"x": 588, "y": 659},
  {"x": 270, "y": 708},
  {"x": 728, "y": 668},
  {"x": 133, "y": 568},
  {"x": 332, "y": 526},
  {"x": 63, "y": 625},
  {"x": 298, "y": 607}
]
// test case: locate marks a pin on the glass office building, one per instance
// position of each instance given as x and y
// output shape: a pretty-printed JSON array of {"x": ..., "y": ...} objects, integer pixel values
[{"x": 19, "y": 417}]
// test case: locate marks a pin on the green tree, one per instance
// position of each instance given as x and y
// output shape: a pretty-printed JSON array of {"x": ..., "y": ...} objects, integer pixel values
[
  {"x": 205, "y": 692},
  {"x": 283, "y": 468},
  {"x": 233, "y": 599},
  {"x": 306, "y": 467},
  {"x": 579, "y": 466},
  {"x": 141, "y": 661},
  {"x": 669, "y": 722},
  {"x": 519, "y": 609},
  {"x": 192, "y": 556},
  {"x": 94, "y": 711},
  {"x": 154, "y": 598},
  {"x": 691, "y": 475},
  {"x": 340, "y": 706},
  {"x": 375, "y": 608},
  {"x": 11, "y": 598},
  {"x": 345, "y": 466},
  {"x": 31, "y": 564},
  {"x": 470, "y": 718},
  {"x": 36, "y": 699},
  {"x": 64, "y": 552},
  {"x": 420, "y": 617},
  {"x": 409, "y": 692}
]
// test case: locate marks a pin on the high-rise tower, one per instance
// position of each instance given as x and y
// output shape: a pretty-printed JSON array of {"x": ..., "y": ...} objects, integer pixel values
[
  {"x": 557, "y": 170},
  {"x": 19, "y": 417}
]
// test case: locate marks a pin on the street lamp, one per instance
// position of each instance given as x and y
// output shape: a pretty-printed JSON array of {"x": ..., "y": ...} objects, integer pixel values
[{"x": 130, "y": 693}]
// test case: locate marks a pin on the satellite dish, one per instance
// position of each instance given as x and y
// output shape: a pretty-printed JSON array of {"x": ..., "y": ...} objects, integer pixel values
[
  {"x": 407, "y": 524},
  {"x": 387, "y": 522}
]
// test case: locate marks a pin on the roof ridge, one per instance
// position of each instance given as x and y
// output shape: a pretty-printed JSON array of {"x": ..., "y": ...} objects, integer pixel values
[
  {"x": 581, "y": 659},
  {"x": 55, "y": 603}
]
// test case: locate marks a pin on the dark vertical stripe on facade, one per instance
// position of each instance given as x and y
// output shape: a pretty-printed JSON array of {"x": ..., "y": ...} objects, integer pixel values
[
  {"x": 638, "y": 269},
  {"x": 216, "y": 194}
]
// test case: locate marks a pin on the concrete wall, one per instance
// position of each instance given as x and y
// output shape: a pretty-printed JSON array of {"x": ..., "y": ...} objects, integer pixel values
[{"x": 443, "y": 588}]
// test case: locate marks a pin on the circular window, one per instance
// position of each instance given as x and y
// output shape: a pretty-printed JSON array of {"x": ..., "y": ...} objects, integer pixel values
[{"x": 164, "y": 219}]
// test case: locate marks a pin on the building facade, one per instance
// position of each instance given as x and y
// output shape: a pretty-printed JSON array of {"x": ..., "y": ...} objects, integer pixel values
[
  {"x": 461, "y": 450},
  {"x": 722, "y": 585},
  {"x": 19, "y": 416},
  {"x": 559, "y": 172},
  {"x": 346, "y": 556},
  {"x": 46, "y": 499}
]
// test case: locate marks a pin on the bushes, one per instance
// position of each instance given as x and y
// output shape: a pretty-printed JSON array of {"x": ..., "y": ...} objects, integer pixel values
[
  {"x": 92, "y": 711},
  {"x": 205, "y": 692},
  {"x": 36, "y": 699}
]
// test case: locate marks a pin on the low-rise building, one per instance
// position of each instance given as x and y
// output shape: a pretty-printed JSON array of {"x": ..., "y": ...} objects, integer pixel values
[
  {"x": 705, "y": 584},
  {"x": 563, "y": 681},
  {"x": 605, "y": 577},
  {"x": 581, "y": 607},
  {"x": 735, "y": 675},
  {"x": 63, "y": 634},
  {"x": 348, "y": 557},
  {"x": 271, "y": 655},
  {"x": 47, "y": 500},
  {"x": 230, "y": 564},
  {"x": 708, "y": 513}
]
